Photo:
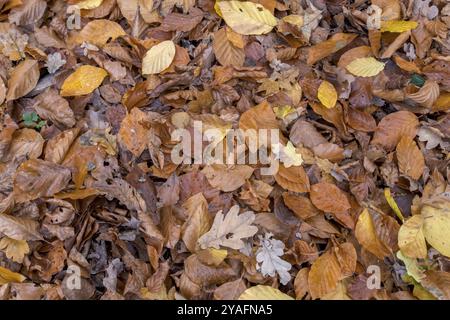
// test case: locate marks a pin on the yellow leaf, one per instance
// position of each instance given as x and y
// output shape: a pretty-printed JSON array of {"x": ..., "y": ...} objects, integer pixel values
[
  {"x": 217, "y": 8},
  {"x": 83, "y": 81},
  {"x": 436, "y": 225},
  {"x": 412, "y": 267},
  {"x": 261, "y": 292},
  {"x": 14, "y": 249},
  {"x": 7, "y": 276},
  {"x": 89, "y": 4},
  {"x": 99, "y": 32},
  {"x": 246, "y": 17},
  {"x": 327, "y": 94},
  {"x": 283, "y": 112},
  {"x": 365, "y": 67},
  {"x": 158, "y": 58},
  {"x": 390, "y": 200},
  {"x": 367, "y": 237},
  {"x": 398, "y": 26},
  {"x": 411, "y": 239}
]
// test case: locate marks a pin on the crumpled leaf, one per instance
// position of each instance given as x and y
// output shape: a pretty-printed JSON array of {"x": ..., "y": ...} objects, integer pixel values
[
  {"x": 229, "y": 231},
  {"x": 83, "y": 81},
  {"x": 269, "y": 259},
  {"x": 246, "y": 17},
  {"x": 99, "y": 32}
]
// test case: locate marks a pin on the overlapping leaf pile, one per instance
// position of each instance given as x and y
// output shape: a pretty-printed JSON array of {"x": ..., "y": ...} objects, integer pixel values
[{"x": 92, "y": 90}]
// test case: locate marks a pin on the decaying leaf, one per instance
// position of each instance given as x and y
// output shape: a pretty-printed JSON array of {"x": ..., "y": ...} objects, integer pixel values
[{"x": 261, "y": 292}]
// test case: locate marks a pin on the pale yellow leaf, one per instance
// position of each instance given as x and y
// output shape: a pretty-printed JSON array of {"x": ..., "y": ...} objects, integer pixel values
[
  {"x": 327, "y": 94},
  {"x": 365, "y": 67},
  {"x": 158, "y": 58},
  {"x": 436, "y": 225},
  {"x": 411, "y": 239},
  {"x": 261, "y": 292},
  {"x": 7, "y": 276},
  {"x": 83, "y": 81},
  {"x": 390, "y": 200},
  {"x": 246, "y": 17}
]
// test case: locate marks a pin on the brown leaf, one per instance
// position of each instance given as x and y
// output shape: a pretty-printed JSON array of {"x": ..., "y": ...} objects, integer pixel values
[
  {"x": 300, "y": 205},
  {"x": 198, "y": 221},
  {"x": 225, "y": 178},
  {"x": 51, "y": 106},
  {"x": 323, "y": 49},
  {"x": 410, "y": 159}
]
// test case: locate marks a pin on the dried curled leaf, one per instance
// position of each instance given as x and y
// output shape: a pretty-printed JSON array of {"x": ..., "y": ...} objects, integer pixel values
[
  {"x": 158, "y": 58},
  {"x": 229, "y": 231},
  {"x": 261, "y": 292},
  {"x": 83, "y": 81},
  {"x": 246, "y": 17},
  {"x": 365, "y": 67},
  {"x": 327, "y": 94}
]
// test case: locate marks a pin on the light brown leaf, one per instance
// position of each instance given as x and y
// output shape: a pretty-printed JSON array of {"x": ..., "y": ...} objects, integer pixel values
[
  {"x": 293, "y": 179},
  {"x": 23, "y": 79},
  {"x": 225, "y": 51}
]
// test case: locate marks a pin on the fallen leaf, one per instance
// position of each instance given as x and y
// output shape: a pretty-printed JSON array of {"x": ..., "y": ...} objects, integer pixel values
[
  {"x": 246, "y": 17},
  {"x": 14, "y": 249},
  {"x": 158, "y": 58},
  {"x": 229, "y": 231},
  {"x": 411, "y": 239},
  {"x": 83, "y": 81},
  {"x": 410, "y": 158},
  {"x": 327, "y": 94},
  {"x": 365, "y": 67},
  {"x": 23, "y": 79},
  {"x": 261, "y": 292}
]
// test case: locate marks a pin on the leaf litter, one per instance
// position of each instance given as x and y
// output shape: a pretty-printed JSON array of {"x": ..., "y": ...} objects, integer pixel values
[{"x": 358, "y": 91}]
